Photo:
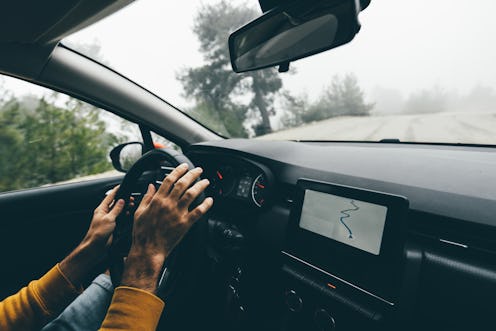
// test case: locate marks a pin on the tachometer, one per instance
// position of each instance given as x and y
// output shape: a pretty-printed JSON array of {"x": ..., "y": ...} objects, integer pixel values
[{"x": 259, "y": 190}]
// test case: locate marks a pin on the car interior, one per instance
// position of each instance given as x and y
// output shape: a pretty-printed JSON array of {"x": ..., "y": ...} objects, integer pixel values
[{"x": 263, "y": 259}]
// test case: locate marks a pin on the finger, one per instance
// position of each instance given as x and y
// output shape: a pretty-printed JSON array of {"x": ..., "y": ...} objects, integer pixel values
[
  {"x": 119, "y": 206},
  {"x": 193, "y": 192},
  {"x": 185, "y": 182},
  {"x": 200, "y": 210},
  {"x": 172, "y": 178},
  {"x": 150, "y": 192},
  {"x": 105, "y": 204}
]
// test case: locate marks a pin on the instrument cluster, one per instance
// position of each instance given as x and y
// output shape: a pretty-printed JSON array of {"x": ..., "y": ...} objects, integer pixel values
[{"x": 239, "y": 180}]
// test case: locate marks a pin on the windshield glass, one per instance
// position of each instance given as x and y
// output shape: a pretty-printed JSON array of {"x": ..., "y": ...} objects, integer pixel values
[{"x": 418, "y": 71}]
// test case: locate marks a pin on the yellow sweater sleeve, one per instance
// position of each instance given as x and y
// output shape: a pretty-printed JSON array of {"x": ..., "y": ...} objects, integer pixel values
[
  {"x": 133, "y": 309},
  {"x": 38, "y": 303},
  {"x": 44, "y": 299}
]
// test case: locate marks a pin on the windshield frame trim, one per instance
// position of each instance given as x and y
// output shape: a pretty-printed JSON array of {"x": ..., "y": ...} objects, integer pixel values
[{"x": 61, "y": 44}]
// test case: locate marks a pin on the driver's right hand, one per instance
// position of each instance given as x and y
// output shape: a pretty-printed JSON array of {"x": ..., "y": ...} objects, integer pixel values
[{"x": 160, "y": 222}]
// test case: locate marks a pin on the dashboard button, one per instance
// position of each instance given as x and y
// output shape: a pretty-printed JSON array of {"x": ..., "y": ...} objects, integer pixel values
[
  {"x": 293, "y": 301},
  {"x": 323, "y": 320}
]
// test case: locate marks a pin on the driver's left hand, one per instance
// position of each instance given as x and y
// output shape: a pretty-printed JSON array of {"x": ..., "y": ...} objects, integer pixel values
[
  {"x": 103, "y": 222},
  {"x": 80, "y": 264}
]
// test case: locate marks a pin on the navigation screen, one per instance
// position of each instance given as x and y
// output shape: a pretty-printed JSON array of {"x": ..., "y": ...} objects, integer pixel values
[{"x": 352, "y": 222}]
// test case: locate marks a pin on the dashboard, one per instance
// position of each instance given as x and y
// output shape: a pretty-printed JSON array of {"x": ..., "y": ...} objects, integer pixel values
[{"x": 359, "y": 235}]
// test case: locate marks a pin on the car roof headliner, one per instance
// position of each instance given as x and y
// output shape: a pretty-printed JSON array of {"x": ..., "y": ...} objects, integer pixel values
[
  {"x": 47, "y": 22},
  {"x": 30, "y": 30}
]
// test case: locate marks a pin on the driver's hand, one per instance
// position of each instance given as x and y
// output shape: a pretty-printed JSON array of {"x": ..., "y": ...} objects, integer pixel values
[
  {"x": 79, "y": 265},
  {"x": 160, "y": 222},
  {"x": 99, "y": 235},
  {"x": 103, "y": 222}
]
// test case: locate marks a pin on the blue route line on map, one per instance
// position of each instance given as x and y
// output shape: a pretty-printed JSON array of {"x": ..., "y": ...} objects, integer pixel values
[{"x": 347, "y": 215}]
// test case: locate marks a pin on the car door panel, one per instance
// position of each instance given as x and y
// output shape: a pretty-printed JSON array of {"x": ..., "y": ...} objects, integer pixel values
[{"x": 38, "y": 227}]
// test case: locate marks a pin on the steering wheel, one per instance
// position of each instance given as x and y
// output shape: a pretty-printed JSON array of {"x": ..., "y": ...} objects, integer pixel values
[{"x": 175, "y": 266}]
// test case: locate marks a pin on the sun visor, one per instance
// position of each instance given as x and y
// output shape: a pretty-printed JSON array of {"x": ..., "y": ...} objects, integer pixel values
[
  {"x": 47, "y": 22},
  {"x": 267, "y": 5}
]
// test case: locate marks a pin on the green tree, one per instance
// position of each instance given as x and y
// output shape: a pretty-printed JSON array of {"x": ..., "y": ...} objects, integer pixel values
[
  {"x": 294, "y": 109},
  {"x": 343, "y": 97},
  {"x": 10, "y": 145},
  {"x": 50, "y": 143},
  {"x": 216, "y": 89}
]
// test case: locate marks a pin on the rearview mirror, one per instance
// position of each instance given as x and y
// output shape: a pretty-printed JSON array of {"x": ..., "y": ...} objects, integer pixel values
[
  {"x": 125, "y": 155},
  {"x": 291, "y": 32}
]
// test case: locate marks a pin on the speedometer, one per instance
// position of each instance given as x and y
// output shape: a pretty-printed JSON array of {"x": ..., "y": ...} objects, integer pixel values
[{"x": 259, "y": 190}]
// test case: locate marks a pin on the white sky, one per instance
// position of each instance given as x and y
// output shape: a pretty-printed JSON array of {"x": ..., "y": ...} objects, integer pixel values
[{"x": 406, "y": 45}]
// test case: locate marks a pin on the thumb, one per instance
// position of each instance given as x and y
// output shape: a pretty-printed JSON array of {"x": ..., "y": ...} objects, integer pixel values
[{"x": 150, "y": 192}]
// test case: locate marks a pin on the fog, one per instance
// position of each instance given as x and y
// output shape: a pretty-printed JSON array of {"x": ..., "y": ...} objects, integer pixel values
[
  {"x": 403, "y": 47},
  {"x": 436, "y": 55}
]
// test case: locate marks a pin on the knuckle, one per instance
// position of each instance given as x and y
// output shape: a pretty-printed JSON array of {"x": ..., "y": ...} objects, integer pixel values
[
  {"x": 202, "y": 209},
  {"x": 169, "y": 179},
  {"x": 198, "y": 187},
  {"x": 160, "y": 202},
  {"x": 190, "y": 175},
  {"x": 177, "y": 172},
  {"x": 155, "y": 203},
  {"x": 195, "y": 214},
  {"x": 190, "y": 194},
  {"x": 187, "y": 196},
  {"x": 181, "y": 184},
  {"x": 166, "y": 205}
]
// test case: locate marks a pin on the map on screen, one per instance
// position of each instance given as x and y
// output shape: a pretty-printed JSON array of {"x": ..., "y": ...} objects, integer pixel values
[{"x": 352, "y": 222}]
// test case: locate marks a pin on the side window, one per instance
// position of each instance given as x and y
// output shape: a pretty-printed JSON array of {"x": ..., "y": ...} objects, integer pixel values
[{"x": 49, "y": 138}]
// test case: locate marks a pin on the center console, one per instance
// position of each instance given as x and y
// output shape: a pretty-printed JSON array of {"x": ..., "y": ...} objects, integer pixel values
[{"x": 343, "y": 257}]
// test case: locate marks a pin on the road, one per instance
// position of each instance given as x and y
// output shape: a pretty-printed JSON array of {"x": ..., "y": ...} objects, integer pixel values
[{"x": 446, "y": 127}]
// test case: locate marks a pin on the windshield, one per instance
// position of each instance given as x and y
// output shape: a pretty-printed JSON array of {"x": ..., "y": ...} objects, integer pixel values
[{"x": 418, "y": 71}]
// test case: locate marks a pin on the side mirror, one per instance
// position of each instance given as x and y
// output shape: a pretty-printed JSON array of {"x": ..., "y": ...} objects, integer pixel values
[
  {"x": 125, "y": 155},
  {"x": 292, "y": 31}
]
